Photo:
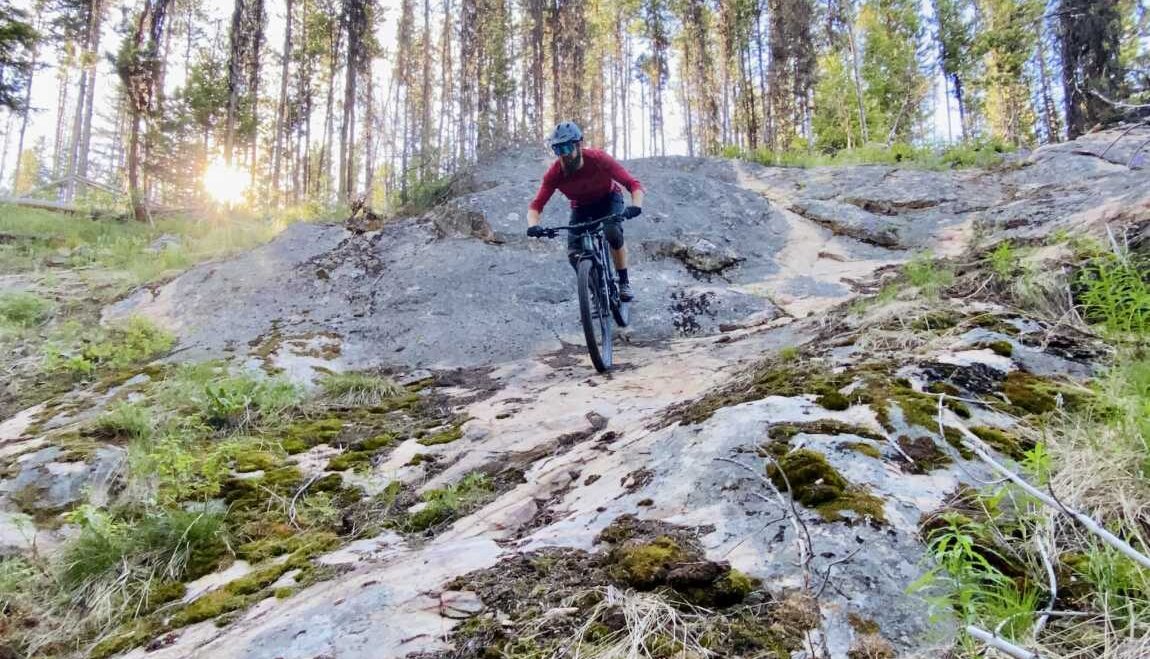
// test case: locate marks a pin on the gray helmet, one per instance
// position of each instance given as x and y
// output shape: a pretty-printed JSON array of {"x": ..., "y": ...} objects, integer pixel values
[{"x": 568, "y": 131}]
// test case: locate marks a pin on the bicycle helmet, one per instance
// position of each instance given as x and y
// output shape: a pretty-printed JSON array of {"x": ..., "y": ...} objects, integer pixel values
[{"x": 568, "y": 131}]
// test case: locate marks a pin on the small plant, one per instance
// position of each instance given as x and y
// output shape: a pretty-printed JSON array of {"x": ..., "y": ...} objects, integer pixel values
[
  {"x": 1116, "y": 296},
  {"x": 110, "y": 566},
  {"x": 925, "y": 274},
  {"x": 23, "y": 310},
  {"x": 965, "y": 580},
  {"x": 448, "y": 504},
  {"x": 359, "y": 389},
  {"x": 241, "y": 401},
  {"x": 1004, "y": 261},
  {"x": 122, "y": 345},
  {"x": 125, "y": 421}
]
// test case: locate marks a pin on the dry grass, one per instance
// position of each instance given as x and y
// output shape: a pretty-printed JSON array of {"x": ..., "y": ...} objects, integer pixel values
[{"x": 651, "y": 628}]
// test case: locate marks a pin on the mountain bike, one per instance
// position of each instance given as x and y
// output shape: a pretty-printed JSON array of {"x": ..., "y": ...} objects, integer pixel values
[{"x": 598, "y": 288}]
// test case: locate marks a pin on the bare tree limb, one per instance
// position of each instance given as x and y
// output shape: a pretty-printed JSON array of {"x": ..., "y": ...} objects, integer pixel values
[
  {"x": 999, "y": 644},
  {"x": 1118, "y": 104},
  {"x": 975, "y": 444}
]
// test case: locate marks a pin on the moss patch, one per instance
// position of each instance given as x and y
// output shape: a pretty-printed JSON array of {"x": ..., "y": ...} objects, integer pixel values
[
  {"x": 444, "y": 437},
  {"x": 833, "y": 401},
  {"x": 785, "y": 431},
  {"x": 869, "y": 450},
  {"x": 728, "y": 590},
  {"x": 816, "y": 484},
  {"x": 1002, "y": 441},
  {"x": 809, "y": 477},
  {"x": 647, "y": 565}
]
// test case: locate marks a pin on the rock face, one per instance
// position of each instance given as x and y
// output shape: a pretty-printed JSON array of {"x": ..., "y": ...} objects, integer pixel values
[{"x": 688, "y": 435}]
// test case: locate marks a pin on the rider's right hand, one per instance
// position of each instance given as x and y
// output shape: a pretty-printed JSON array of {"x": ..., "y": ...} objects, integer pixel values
[{"x": 536, "y": 231}]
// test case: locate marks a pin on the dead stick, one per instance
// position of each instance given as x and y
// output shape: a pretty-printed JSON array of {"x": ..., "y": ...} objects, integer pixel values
[
  {"x": 975, "y": 444},
  {"x": 1000, "y": 644}
]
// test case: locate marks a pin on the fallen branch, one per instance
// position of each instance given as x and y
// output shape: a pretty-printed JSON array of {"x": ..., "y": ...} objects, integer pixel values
[
  {"x": 1052, "y": 579},
  {"x": 827, "y": 574},
  {"x": 806, "y": 550},
  {"x": 976, "y": 445},
  {"x": 1000, "y": 644}
]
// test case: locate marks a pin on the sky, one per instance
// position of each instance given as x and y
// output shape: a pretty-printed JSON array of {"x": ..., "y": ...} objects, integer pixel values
[{"x": 45, "y": 87}]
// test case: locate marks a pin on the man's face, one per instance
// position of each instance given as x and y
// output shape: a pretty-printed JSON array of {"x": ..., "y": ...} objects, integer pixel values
[{"x": 570, "y": 154}]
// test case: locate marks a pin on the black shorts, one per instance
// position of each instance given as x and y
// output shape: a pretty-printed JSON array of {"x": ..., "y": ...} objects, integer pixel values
[{"x": 612, "y": 204}]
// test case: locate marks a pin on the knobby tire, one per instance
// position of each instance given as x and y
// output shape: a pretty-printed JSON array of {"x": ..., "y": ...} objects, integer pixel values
[{"x": 596, "y": 331}]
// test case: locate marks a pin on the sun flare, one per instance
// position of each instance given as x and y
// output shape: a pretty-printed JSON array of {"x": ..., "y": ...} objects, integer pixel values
[{"x": 226, "y": 184}]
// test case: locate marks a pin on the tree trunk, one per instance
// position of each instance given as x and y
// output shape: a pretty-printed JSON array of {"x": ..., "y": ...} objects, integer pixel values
[
  {"x": 858, "y": 85},
  {"x": 235, "y": 40},
  {"x": 27, "y": 107},
  {"x": 426, "y": 166},
  {"x": 275, "y": 184}
]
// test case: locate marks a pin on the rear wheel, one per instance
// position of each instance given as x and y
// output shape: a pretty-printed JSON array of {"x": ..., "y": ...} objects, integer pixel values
[{"x": 594, "y": 314}]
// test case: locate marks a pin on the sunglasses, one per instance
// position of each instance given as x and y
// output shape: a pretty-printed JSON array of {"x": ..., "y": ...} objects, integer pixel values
[{"x": 567, "y": 148}]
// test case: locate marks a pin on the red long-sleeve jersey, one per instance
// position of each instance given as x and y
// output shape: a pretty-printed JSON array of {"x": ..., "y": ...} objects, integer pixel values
[{"x": 593, "y": 181}]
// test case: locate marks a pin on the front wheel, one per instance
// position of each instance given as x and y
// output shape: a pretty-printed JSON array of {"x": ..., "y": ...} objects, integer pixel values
[{"x": 595, "y": 315}]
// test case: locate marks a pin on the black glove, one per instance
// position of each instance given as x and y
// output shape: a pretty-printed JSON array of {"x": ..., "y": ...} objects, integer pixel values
[
  {"x": 536, "y": 231},
  {"x": 631, "y": 211}
]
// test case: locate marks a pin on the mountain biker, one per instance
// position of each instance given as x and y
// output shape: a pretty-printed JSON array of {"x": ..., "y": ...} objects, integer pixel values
[{"x": 590, "y": 179}]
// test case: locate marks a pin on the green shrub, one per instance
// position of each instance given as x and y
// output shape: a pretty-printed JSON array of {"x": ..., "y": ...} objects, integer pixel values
[
  {"x": 1004, "y": 261},
  {"x": 1115, "y": 295},
  {"x": 110, "y": 565},
  {"x": 238, "y": 401},
  {"x": 23, "y": 310},
  {"x": 925, "y": 274},
  {"x": 359, "y": 389},
  {"x": 125, "y": 344},
  {"x": 450, "y": 503},
  {"x": 125, "y": 421}
]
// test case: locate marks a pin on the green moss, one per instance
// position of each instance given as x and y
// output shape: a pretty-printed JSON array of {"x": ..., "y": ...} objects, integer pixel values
[
  {"x": 283, "y": 593},
  {"x": 249, "y": 461},
  {"x": 771, "y": 378},
  {"x": 445, "y": 437},
  {"x": 785, "y": 431},
  {"x": 377, "y": 442},
  {"x": 160, "y": 593},
  {"x": 941, "y": 387},
  {"x": 958, "y": 407},
  {"x": 811, "y": 479},
  {"x": 303, "y": 435},
  {"x": 645, "y": 566},
  {"x": 350, "y": 460},
  {"x": 257, "y": 580},
  {"x": 298, "y": 544},
  {"x": 209, "y": 606},
  {"x": 854, "y": 499},
  {"x": 1002, "y": 348},
  {"x": 1001, "y": 441},
  {"x": 954, "y": 438},
  {"x": 834, "y": 401},
  {"x": 816, "y": 484},
  {"x": 418, "y": 459},
  {"x": 728, "y": 590},
  {"x": 936, "y": 320},
  {"x": 869, "y": 450},
  {"x": 1029, "y": 393},
  {"x": 131, "y": 636}
]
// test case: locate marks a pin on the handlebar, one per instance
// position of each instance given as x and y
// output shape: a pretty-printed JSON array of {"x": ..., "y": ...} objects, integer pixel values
[{"x": 551, "y": 232}]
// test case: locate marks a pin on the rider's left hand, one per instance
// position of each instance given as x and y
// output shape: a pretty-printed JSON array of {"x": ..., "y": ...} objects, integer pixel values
[{"x": 631, "y": 212}]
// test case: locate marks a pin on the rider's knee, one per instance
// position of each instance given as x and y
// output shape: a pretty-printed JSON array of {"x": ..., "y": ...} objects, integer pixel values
[{"x": 614, "y": 237}]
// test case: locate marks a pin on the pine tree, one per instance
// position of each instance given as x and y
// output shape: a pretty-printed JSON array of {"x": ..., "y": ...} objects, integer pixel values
[
  {"x": 895, "y": 84},
  {"x": 1090, "y": 38},
  {"x": 1007, "y": 42}
]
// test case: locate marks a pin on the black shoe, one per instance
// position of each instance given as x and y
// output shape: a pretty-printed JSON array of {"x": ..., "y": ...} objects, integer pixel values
[{"x": 625, "y": 293}]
